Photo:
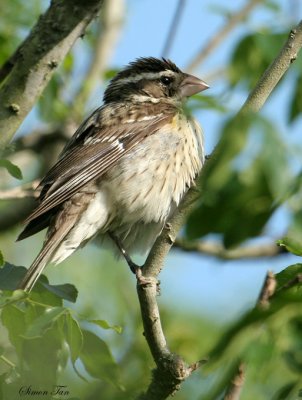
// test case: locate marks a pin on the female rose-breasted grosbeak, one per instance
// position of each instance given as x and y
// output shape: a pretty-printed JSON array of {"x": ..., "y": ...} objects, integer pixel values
[{"x": 125, "y": 169}]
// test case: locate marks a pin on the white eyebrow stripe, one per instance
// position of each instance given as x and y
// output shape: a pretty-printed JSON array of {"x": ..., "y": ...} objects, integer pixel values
[
  {"x": 144, "y": 118},
  {"x": 146, "y": 75},
  {"x": 140, "y": 98}
]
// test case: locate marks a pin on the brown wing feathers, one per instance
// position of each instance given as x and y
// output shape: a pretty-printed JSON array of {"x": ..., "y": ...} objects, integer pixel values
[{"x": 80, "y": 164}]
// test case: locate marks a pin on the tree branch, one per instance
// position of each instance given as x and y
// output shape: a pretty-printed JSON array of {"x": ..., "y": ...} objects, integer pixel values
[
  {"x": 170, "y": 369},
  {"x": 275, "y": 71},
  {"x": 39, "y": 56},
  {"x": 218, "y": 250},
  {"x": 20, "y": 192},
  {"x": 267, "y": 290},
  {"x": 215, "y": 41},
  {"x": 236, "y": 385}
]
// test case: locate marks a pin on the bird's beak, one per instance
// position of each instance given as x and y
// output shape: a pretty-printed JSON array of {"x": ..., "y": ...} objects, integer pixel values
[{"x": 192, "y": 85}]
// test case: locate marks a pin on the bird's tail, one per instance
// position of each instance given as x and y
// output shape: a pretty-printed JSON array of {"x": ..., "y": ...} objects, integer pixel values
[{"x": 45, "y": 256}]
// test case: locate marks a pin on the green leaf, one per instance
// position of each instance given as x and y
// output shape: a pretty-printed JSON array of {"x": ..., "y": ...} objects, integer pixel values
[
  {"x": 288, "y": 274},
  {"x": 254, "y": 337},
  {"x": 250, "y": 320},
  {"x": 14, "y": 320},
  {"x": 252, "y": 55},
  {"x": 74, "y": 337},
  {"x": 110, "y": 73},
  {"x": 11, "y": 168},
  {"x": 44, "y": 322},
  {"x": 42, "y": 357},
  {"x": 287, "y": 391},
  {"x": 295, "y": 107},
  {"x": 97, "y": 358},
  {"x": 51, "y": 105},
  {"x": 241, "y": 182},
  {"x": 293, "y": 360},
  {"x": 9, "y": 297},
  {"x": 291, "y": 245},
  {"x": 42, "y": 295},
  {"x": 1, "y": 259},
  {"x": 10, "y": 276},
  {"x": 104, "y": 324},
  {"x": 66, "y": 291}
]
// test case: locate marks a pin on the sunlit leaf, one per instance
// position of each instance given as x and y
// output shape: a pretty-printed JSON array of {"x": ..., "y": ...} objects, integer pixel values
[
  {"x": 43, "y": 322},
  {"x": 291, "y": 245},
  {"x": 110, "y": 73},
  {"x": 105, "y": 325}
]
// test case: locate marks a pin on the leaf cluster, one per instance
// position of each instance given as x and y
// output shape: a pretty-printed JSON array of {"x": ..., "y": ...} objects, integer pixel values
[{"x": 44, "y": 334}]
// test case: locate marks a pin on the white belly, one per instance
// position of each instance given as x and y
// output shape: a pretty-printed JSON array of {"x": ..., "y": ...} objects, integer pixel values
[{"x": 155, "y": 175}]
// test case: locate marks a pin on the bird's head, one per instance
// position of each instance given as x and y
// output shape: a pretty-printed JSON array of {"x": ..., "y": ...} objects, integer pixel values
[{"x": 152, "y": 79}]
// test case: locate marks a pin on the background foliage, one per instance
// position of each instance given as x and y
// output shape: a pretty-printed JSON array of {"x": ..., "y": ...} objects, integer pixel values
[{"x": 89, "y": 337}]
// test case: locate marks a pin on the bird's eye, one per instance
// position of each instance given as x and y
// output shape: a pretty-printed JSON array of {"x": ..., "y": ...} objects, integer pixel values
[{"x": 166, "y": 80}]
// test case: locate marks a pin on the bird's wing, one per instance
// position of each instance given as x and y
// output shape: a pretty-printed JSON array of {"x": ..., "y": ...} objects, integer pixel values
[{"x": 93, "y": 150}]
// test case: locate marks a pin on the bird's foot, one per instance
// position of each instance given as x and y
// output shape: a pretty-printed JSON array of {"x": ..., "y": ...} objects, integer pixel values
[{"x": 133, "y": 267}]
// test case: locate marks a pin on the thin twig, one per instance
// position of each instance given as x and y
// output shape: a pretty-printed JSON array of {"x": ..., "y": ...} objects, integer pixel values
[
  {"x": 173, "y": 27},
  {"x": 20, "y": 192},
  {"x": 219, "y": 36},
  {"x": 235, "y": 388},
  {"x": 267, "y": 291},
  {"x": 275, "y": 71},
  {"x": 217, "y": 250}
]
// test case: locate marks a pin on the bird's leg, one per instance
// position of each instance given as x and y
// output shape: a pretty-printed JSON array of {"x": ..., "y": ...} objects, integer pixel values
[{"x": 134, "y": 267}]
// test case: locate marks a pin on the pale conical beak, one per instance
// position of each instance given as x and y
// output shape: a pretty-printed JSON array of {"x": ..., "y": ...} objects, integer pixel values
[{"x": 192, "y": 85}]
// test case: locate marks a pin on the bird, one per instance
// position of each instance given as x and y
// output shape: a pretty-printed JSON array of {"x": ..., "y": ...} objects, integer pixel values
[{"x": 123, "y": 173}]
